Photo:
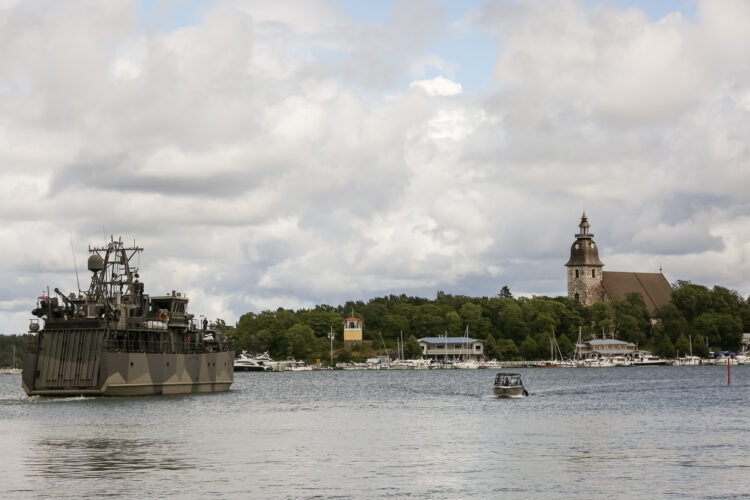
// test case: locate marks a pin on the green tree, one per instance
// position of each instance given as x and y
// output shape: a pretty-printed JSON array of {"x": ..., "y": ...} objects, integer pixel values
[
  {"x": 511, "y": 323},
  {"x": 427, "y": 321},
  {"x": 699, "y": 346},
  {"x": 565, "y": 344},
  {"x": 724, "y": 331},
  {"x": 395, "y": 323},
  {"x": 490, "y": 348},
  {"x": 724, "y": 300},
  {"x": 664, "y": 347},
  {"x": 600, "y": 317},
  {"x": 300, "y": 341},
  {"x": 7, "y": 344},
  {"x": 412, "y": 350},
  {"x": 471, "y": 315},
  {"x": 453, "y": 323},
  {"x": 692, "y": 300},
  {"x": 682, "y": 345},
  {"x": 321, "y": 319},
  {"x": 673, "y": 322},
  {"x": 529, "y": 348},
  {"x": 508, "y": 350}
]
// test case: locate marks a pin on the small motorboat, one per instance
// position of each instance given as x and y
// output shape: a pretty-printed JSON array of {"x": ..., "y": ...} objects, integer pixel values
[{"x": 509, "y": 385}]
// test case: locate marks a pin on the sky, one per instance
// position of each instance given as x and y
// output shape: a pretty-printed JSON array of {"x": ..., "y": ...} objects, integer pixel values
[{"x": 294, "y": 153}]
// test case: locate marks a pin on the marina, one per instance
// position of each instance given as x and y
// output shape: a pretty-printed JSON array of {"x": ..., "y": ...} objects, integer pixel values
[{"x": 653, "y": 432}]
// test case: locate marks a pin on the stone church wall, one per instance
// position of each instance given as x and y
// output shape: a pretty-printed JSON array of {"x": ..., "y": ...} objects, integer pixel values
[{"x": 589, "y": 289}]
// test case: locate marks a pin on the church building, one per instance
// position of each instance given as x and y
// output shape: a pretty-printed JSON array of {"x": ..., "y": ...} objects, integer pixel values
[{"x": 588, "y": 283}]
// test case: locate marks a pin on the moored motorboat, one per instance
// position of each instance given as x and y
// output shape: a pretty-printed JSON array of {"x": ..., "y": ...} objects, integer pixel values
[
  {"x": 509, "y": 385},
  {"x": 466, "y": 365},
  {"x": 688, "y": 361},
  {"x": 645, "y": 358},
  {"x": 247, "y": 363}
]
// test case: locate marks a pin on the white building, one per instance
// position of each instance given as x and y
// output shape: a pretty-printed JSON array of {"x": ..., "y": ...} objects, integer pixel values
[
  {"x": 598, "y": 348},
  {"x": 452, "y": 348}
]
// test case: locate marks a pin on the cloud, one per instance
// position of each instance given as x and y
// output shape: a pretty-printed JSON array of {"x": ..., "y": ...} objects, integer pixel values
[
  {"x": 438, "y": 86},
  {"x": 288, "y": 154}
]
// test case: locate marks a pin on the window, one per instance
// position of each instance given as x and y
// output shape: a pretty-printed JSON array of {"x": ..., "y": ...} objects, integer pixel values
[
  {"x": 593, "y": 273},
  {"x": 578, "y": 298},
  {"x": 576, "y": 273}
]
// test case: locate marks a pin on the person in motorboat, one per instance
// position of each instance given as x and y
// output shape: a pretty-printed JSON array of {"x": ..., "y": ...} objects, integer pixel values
[{"x": 509, "y": 385}]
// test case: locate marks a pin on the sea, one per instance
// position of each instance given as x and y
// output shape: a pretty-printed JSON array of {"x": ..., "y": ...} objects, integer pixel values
[{"x": 631, "y": 432}]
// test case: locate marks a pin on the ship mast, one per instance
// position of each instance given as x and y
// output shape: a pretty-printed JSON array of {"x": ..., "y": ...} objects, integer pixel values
[{"x": 113, "y": 275}]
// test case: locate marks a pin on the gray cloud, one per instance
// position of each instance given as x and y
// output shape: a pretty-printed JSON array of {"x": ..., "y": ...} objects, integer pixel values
[{"x": 274, "y": 154}]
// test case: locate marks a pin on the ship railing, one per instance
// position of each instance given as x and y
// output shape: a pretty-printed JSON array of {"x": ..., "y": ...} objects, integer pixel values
[{"x": 144, "y": 345}]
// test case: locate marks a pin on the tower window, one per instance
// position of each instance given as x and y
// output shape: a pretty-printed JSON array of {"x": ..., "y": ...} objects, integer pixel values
[
  {"x": 578, "y": 298},
  {"x": 593, "y": 273},
  {"x": 576, "y": 273}
]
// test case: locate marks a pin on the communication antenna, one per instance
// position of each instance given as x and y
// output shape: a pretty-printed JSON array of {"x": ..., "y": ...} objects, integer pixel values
[{"x": 72, "y": 248}]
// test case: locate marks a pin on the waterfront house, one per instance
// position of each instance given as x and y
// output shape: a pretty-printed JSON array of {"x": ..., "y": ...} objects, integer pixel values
[
  {"x": 452, "y": 348},
  {"x": 602, "y": 348}
]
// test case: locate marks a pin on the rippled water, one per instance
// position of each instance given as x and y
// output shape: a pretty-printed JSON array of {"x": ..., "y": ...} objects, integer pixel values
[{"x": 583, "y": 433}]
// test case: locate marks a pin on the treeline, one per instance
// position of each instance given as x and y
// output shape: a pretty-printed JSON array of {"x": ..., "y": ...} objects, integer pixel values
[
  {"x": 7, "y": 344},
  {"x": 697, "y": 319}
]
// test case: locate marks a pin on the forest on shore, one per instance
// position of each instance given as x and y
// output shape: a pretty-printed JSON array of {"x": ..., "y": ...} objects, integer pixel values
[{"x": 698, "y": 319}]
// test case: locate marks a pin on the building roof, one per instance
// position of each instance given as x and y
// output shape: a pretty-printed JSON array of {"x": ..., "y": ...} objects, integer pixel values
[
  {"x": 584, "y": 251},
  {"x": 653, "y": 287},
  {"x": 449, "y": 340},
  {"x": 598, "y": 342}
]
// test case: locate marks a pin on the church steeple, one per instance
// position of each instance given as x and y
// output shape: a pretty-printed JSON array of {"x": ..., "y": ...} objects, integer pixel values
[
  {"x": 584, "y": 226},
  {"x": 584, "y": 266}
]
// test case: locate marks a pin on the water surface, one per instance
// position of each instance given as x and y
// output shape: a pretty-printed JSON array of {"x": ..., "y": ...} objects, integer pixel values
[{"x": 651, "y": 432}]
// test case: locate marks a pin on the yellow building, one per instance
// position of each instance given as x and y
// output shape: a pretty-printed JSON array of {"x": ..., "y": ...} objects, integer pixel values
[{"x": 352, "y": 330}]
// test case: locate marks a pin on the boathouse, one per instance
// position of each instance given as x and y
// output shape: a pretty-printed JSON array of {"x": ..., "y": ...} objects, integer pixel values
[
  {"x": 452, "y": 348},
  {"x": 588, "y": 283},
  {"x": 598, "y": 348}
]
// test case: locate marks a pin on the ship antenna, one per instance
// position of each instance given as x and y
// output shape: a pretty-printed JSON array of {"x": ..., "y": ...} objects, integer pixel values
[{"x": 72, "y": 248}]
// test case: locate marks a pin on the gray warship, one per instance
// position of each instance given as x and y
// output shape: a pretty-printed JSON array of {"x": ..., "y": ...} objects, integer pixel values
[{"x": 115, "y": 340}]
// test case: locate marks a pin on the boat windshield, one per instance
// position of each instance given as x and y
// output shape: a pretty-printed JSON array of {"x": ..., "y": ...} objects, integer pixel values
[{"x": 508, "y": 379}]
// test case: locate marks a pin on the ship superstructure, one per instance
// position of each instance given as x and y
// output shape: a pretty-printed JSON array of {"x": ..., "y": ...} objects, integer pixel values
[{"x": 113, "y": 339}]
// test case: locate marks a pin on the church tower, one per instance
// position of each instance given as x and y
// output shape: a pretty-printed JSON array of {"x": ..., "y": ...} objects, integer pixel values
[{"x": 585, "y": 268}]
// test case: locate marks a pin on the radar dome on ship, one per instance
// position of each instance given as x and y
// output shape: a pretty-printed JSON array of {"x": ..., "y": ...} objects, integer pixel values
[{"x": 96, "y": 263}]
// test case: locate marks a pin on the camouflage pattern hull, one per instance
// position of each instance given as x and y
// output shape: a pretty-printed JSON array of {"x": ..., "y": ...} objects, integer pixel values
[{"x": 77, "y": 362}]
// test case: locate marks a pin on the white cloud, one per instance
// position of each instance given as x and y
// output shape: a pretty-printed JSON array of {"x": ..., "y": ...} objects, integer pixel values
[
  {"x": 438, "y": 86},
  {"x": 256, "y": 156}
]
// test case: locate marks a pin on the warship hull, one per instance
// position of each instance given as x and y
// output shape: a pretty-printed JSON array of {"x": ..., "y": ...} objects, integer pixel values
[{"x": 73, "y": 362}]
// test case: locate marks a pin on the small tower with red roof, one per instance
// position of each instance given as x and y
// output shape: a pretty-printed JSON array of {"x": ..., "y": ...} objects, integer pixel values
[{"x": 352, "y": 330}]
